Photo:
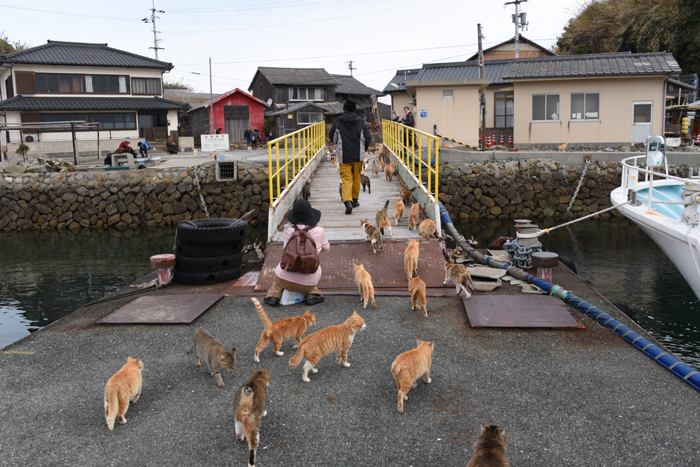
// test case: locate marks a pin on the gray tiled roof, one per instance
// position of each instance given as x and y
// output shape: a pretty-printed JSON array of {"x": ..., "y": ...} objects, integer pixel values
[
  {"x": 298, "y": 76},
  {"x": 612, "y": 64},
  {"x": 292, "y": 108},
  {"x": 493, "y": 70},
  {"x": 522, "y": 39},
  {"x": 90, "y": 103},
  {"x": 84, "y": 54},
  {"x": 400, "y": 79},
  {"x": 350, "y": 85}
]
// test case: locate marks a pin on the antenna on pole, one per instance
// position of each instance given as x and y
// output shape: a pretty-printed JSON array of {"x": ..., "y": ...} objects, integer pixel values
[
  {"x": 520, "y": 21},
  {"x": 350, "y": 66},
  {"x": 152, "y": 20}
]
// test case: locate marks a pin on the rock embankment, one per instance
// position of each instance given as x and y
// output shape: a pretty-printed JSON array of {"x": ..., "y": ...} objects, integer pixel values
[{"x": 128, "y": 199}]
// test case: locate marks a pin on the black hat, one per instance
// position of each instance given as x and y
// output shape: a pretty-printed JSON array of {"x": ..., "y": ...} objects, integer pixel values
[
  {"x": 349, "y": 106},
  {"x": 303, "y": 213}
]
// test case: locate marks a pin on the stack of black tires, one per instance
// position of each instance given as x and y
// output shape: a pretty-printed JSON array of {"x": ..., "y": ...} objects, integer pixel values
[{"x": 208, "y": 251}]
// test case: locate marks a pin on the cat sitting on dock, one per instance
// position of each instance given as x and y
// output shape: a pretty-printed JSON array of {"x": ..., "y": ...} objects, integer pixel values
[
  {"x": 279, "y": 331},
  {"x": 490, "y": 448},
  {"x": 333, "y": 339},
  {"x": 427, "y": 228},
  {"x": 123, "y": 387},
  {"x": 411, "y": 365},
  {"x": 208, "y": 348}
]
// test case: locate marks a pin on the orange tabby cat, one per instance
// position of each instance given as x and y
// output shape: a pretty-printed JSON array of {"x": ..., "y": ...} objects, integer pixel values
[
  {"x": 427, "y": 228},
  {"x": 208, "y": 348},
  {"x": 413, "y": 214},
  {"x": 460, "y": 276},
  {"x": 393, "y": 167},
  {"x": 416, "y": 287},
  {"x": 382, "y": 219},
  {"x": 123, "y": 387},
  {"x": 364, "y": 284},
  {"x": 398, "y": 211},
  {"x": 373, "y": 236},
  {"x": 490, "y": 448},
  {"x": 410, "y": 258},
  {"x": 249, "y": 406},
  {"x": 333, "y": 339},
  {"x": 409, "y": 366},
  {"x": 388, "y": 172},
  {"x": 279, "y": 331}
]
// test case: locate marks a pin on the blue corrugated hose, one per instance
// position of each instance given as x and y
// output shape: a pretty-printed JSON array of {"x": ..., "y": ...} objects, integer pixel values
[{"x": 687, "y": 373}]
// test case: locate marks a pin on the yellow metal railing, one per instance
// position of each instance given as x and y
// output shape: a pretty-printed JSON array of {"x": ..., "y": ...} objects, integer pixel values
[
  {"x": 415, "y": 157},
  {"x": 299, "y": 147}
]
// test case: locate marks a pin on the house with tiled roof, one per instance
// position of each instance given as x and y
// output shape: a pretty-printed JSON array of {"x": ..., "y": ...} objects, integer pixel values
[
  {"x": 70, "y": 81},
  {"x": 585, "y": 100}
]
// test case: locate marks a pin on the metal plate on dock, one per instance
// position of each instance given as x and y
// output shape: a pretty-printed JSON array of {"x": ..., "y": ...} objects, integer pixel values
[
  {"x": 518, "y": 311},
  {"x": 162, "y": 309},
  {"x": 385, "y": 267}
]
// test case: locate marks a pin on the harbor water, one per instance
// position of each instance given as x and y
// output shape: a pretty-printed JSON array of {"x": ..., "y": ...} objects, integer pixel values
[{"x": 46, "y": 275}]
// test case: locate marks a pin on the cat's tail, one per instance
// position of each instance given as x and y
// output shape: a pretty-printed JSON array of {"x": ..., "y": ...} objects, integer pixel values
[
  {"x": 386, "y": 206},
  {"x": 112, "y": 407},
  {"x": 297, "y": 358},
  {"x": 263, "y": 316}
]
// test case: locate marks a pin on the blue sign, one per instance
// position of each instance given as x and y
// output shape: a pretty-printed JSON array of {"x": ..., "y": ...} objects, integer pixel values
[{"x": 423, "y": 114}]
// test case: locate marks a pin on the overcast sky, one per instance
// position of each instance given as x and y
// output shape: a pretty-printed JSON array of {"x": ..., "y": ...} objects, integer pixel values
[{"x": 378, "y": 36}]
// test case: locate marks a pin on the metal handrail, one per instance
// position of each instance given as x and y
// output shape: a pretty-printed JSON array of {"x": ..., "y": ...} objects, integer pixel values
[
  {"x": 397, "y": 137},
  {"x": 304, "y": 144}
]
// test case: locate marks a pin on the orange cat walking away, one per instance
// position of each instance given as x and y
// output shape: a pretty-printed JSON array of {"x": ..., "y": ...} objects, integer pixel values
[
  {"x": 249, "y": 406},
  {"x": 413, "y": 214},
  {"x": 416, "y": 287},
  {"x": 398, "y": 211},
  {"x": 280, "y": 331},
  {"x": 409, "y": 366},
  {"x": 123, "y": 387},
  {"x": 364, "y": 284},
  {"x": 490, "y": 448},
  {"x": 410, "y": 258},
  {"x": 333, "y": 339}
]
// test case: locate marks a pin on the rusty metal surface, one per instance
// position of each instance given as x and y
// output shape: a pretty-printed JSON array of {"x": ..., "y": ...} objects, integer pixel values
[
  {"x": 386, "y": 267},
  {"x": 162, "y": 309},
  {"x": 519, "y": 311}
]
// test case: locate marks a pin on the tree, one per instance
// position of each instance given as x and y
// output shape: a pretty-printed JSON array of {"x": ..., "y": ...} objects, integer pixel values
[
  {"x": 6, "y": 46},
  {"x": 179, "y": 84}
]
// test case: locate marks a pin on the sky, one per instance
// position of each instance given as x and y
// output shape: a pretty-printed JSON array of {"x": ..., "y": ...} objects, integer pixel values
[{"x": 378, "y": 36}]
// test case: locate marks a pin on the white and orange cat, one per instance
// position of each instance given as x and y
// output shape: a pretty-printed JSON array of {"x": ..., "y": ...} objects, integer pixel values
[
  {"x": 364, "y": 284},
  {"x": 490, "y": 448},
  {"x": 413, "y": 215},
  {"x": 410, "y": 258},
  {"x": 249, "y": 407},
  {"x": 411, "y": 365},
  {"x": 373, "y": 236},
  {"x": 208, "y": 348},
  {"x": 333, "y": 339},
  {"x": 398, "y": 211},
  {"x": 460, "y": 277},
  {"x": 123, "y": 387},
  {"x": 280, "y": 331},
  {"x": 416, "y": 287},
  {"x": 382, "y": 218},
  {"x": 427, "y": 228}
]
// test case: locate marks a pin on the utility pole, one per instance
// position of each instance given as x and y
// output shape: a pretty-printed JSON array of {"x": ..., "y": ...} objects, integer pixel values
[
  {"x": 152, "y": 20},
  {"x": 211, "y": 102},
  {"x": 520, "y": 21},
  {"x": 483, "y": 91},
  {"x": 350, "y": 66}
]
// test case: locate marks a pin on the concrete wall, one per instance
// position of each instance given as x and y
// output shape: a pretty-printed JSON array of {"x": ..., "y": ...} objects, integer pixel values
[
  {"x": 615, "y": 124},
  {"x": 399, "y": 100},
  {"x": 457, "y": 118}
]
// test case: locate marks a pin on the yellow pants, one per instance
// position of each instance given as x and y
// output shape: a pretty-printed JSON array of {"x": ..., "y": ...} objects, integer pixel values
[{"x": 350, "y": 176}]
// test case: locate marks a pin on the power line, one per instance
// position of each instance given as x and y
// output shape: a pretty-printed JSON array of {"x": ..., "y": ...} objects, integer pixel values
[
  {"x": 261, "y": 6},
  {"x": 111, "y": 18}
]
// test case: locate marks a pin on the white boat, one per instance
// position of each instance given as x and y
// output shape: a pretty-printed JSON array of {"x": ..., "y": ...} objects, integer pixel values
[{"x": 664, "y": 206}]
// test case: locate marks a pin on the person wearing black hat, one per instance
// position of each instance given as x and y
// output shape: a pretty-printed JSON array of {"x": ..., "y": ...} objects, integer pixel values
[
  {"x": 302, "y": 215},
  {"x": 352, "y": 136}
]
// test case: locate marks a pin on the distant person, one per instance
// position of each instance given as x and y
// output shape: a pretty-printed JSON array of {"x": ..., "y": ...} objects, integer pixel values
[
  {"x": 302, "y": 216},
  {"x": 255, "y": 137},
  {"x": 218, "y": 131},
  {"x": 409, "y": 121},
  {"x": 124, "y": 147},
  {"x": 247, "y": 135},
  {"x": 352, "y": 137},
  {"x": 171, "y": 147},
  {"x": 144, "y": 147}
]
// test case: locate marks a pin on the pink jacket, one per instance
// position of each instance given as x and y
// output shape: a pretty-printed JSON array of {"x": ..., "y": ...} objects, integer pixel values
[{"x": 322, "y": 244}]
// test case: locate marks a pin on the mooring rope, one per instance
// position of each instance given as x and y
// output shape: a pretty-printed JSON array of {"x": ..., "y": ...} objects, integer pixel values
[
  {"x": 546, "y": 231},
  {"x": 580, "y": 182}
]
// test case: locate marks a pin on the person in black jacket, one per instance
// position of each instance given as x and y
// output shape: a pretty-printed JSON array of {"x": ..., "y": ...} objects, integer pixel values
[
  {"x": 246, "y": 134},
  {"x": 352, "y": 136},
  {"x": 409, "y": 121}
]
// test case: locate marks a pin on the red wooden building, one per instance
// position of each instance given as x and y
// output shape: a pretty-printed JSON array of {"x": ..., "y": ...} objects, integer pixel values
[{"x": 234, "y": 111}]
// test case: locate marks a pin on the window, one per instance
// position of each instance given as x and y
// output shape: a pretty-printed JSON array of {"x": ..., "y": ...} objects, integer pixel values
[
  {"x": 545, "y": 107},
  {"x": 448, "y": 93},
  {"x": 9, "y": 92},
  {"x": 305, "y": 94},
  {"x": 503, "y": 114},
  {"x": 318, "y": 94},
  {"x": 79, "y": 84},
  {"x": 307, "y": 118},
  {"x": 145, "y": 86},
  {"x": 236, "y": 111},
  {"x": 115, "y": 121},
  {"x": 585, "y": 106}
]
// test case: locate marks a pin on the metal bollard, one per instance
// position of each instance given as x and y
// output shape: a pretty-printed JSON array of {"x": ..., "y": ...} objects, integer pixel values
[
  {"x": 544, "y": 261},
  {"x": 164, "y": 263}
]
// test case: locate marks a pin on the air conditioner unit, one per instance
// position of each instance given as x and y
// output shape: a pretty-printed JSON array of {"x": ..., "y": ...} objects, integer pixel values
[
  {"x": 226, "y": 171},
  {"x": 30, "y": 137}
]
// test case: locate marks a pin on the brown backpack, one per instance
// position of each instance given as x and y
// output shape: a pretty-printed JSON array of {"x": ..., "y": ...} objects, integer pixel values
[{"x": 300, "y": 253}]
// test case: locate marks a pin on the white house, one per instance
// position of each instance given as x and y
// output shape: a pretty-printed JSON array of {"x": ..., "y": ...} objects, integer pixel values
[{"x": 69, "y": 81}]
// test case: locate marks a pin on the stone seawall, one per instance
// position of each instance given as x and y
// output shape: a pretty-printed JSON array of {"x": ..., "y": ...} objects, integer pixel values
[
  {"x": 128, "y": 199},
  {"x": 535, "y": 188}
]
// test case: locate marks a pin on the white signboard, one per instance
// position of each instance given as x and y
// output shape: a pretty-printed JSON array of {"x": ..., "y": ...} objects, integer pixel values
[
  {"x": 214, "y": 142},
  {"x": 423, "y": 114}
]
